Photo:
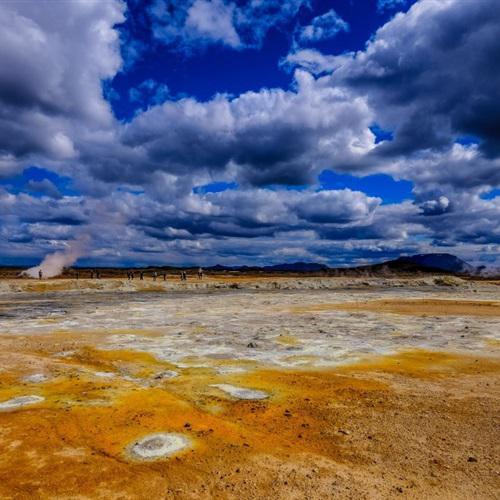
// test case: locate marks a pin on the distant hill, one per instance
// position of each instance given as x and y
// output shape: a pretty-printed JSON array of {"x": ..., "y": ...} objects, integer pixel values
[
  {"x": 298, "y": 267},
  {"x": 440, "y": 261},
  {"x": 407, "y": 265},
  {"x": 294, "y": 267},
  {"x": 421, "y": 263}
]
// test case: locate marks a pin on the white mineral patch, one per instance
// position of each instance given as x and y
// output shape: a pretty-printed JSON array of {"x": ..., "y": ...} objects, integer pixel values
[
  {"x": 241, "y": 392},
  {"x": 157, "y": 446},
  {"x": 35, "y": 378},
  {"x": 104, "y": 374},
  {"x": 230, "y": 369},
  {"x": 14, "y": 403},
  {"x": 64, "y": 354},
  {"x": 327, "y": 337}
]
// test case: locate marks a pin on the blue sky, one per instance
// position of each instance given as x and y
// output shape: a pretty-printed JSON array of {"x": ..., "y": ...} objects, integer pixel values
[
  {"x": 205, "y": 71},
  {"x": 249, "y": 131}
]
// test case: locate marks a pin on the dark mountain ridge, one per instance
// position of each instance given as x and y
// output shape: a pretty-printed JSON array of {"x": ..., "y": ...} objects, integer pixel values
[{"x": 420, "y": 263}]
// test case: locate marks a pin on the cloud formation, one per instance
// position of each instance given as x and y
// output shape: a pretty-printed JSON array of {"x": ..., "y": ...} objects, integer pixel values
[
  {"x": 429, "y": 77},
  {"x": 189, "y": 25},
  {"x": 322, "y": 28}
]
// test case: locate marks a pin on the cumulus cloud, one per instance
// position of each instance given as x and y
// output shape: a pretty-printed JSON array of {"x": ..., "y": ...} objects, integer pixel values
[
  {"x": 322, "y": 28},
  {"x": 188, "y": 25},
  {"x": 45, "y": 187},
  {"x": 51, "y": 72},
  {"x": 135, "y": 181},
  {"x": 311, "y": 60},
  {"x": 213, "y": 19},
  {"x": 272, "y": 136},
  {"x": 431, "y": 75},
  {"x": 149, "y": 93},
  {"x": 390, "y": 4},
  {"x": 194, "y": 22}
]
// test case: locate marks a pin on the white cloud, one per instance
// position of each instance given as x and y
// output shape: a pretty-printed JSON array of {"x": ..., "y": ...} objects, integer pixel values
[
  {"x": 137, "y": 178},
  {"x": 213, "y": 19},
  {"x": 322, "y": 27}
]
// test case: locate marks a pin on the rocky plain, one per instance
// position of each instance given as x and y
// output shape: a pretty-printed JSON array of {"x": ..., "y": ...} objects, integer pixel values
[{"x": 250, "y": 387}]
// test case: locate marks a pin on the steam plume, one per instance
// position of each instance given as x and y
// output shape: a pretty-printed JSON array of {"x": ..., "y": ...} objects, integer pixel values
[{"x": 54, "y": 264}]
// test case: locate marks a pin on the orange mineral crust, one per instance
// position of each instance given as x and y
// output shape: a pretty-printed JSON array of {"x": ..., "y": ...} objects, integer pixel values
[
  {"x": 391, "y": 424},
  {"x": 273, "y": 388},
  {"x": 415, "y": 307}
]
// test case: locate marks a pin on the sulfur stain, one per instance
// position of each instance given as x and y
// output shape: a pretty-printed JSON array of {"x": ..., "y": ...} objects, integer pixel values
[
  {"x": 71, "y": 445},
  {"x": 413, "y": 307},
  {"x": 287, "y": 340}
]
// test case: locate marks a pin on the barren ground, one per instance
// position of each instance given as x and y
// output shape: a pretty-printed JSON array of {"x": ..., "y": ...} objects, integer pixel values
[{"x": 377, "y": 388}]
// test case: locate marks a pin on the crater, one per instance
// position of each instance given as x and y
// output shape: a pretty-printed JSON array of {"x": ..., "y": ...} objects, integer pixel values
[{"x": 158, "y": 446}]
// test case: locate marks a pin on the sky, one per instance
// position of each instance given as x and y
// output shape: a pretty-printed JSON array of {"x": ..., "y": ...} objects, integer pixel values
[{"x": 203, "y": 132}]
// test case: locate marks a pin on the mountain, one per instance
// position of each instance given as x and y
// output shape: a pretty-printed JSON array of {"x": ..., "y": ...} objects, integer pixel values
[
  {"x": 297, "y": 267},
  {"x": 294, "y": 267},
  {"x": 421, "y": 263},
  {"x": 439, "y": 261}
]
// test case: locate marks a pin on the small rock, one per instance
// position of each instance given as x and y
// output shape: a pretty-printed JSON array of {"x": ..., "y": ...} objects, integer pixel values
[
  {"x": 252, "y": 345},
  {"x": 472, "y": 459},
  {"x": 166, "y": 374}
]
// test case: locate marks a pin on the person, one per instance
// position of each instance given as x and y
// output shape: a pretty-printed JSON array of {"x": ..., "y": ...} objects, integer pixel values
[
  {"x": 128, "y": 275},
  {"x": 141, "y": 275},
  {"x": 155, "y": 274},
  {"x": 184, "y": 275},
  {"x": 200, "y": 273},
  {"x": 164, "y": 276},
  {"x": 131, "y": 275},
  {"x": 98, "y": 275},
  {"x": 40, "y": 274},
  {"x": 78, "y": 275}
]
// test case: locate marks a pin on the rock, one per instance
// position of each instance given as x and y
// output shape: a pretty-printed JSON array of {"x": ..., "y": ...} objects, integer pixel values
[
  {"x": 472, "y": 459},
  {"x": 252, "y": 345},
  {"x": 166, "y": 374}
]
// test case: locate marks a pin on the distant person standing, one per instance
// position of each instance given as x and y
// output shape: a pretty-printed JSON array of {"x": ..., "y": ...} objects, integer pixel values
[
  {"x": 131, "y": 275},
  {"x": 200, "y": 273},
  {"x": 164, "y": 276},
  {"x": 155, "y": 274},
  {"x": 98, "y": 275},
  {"x": 40, "y": 274},
  {"x": 141, "y": 275}
]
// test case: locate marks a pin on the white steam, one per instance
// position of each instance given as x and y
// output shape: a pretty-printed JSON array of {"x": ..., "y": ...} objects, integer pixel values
[{"x": 54, "y": 264}]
